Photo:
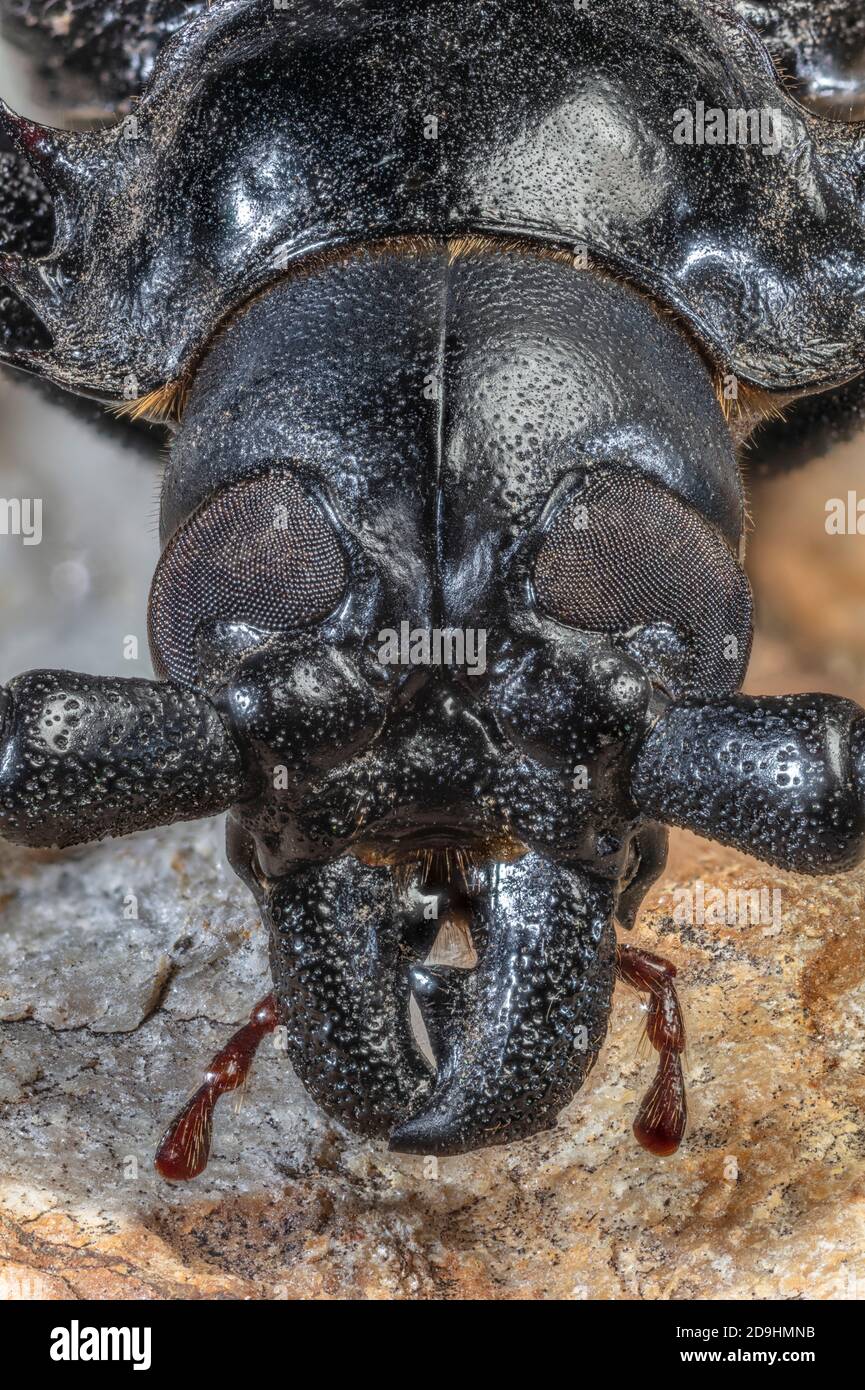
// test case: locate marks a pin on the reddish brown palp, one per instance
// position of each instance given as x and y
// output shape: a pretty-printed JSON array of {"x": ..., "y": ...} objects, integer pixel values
[
  {"x": 663, "y": 1114},
  {"x": 185, "y": 1146}
]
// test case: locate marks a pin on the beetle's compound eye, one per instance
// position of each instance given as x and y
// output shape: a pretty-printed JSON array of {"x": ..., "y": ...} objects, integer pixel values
[
  {"x": 625, "y": 556},
  {"x": 261, "y": 552}
]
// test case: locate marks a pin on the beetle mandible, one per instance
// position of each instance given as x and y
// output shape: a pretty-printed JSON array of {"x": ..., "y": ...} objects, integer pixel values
[{"x": 460, "y": 316}]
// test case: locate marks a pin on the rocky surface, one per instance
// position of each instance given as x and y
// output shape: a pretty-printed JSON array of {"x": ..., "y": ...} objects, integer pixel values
[{"x": 123, "y": 966}]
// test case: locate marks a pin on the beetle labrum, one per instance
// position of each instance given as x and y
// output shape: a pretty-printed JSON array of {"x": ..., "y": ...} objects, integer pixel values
[{"x": 461, "y": 316}]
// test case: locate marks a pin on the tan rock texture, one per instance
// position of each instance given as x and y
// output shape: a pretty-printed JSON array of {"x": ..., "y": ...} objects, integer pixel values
[{"x": 107, "y": 1021}]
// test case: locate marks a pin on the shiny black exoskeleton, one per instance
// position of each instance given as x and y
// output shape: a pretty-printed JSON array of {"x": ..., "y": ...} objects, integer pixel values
[{"x": 458, "y": 335}]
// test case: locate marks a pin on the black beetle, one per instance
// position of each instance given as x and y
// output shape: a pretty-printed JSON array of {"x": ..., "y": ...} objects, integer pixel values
[{"x": 461, "y": 315}]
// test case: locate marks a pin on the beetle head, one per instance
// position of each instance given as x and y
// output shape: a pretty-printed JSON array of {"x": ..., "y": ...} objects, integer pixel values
[{"x": 439, "y": 533}]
